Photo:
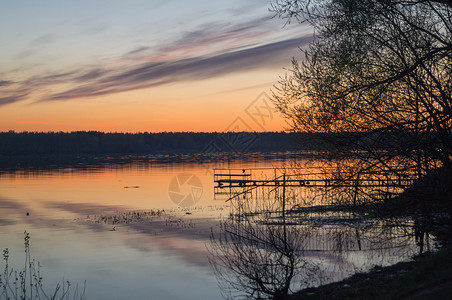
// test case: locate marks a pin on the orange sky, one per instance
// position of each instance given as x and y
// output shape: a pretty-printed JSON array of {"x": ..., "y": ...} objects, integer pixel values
[
  {"x": 210, "y": 105},
  {"x": 60, "y": 72}
]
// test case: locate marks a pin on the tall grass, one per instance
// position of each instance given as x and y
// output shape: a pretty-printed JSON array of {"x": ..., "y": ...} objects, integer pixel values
[{"x": 27, "y": 283}]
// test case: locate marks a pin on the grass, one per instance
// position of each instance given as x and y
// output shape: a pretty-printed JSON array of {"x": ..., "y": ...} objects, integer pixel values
[
  {"x": 427, "y": 277},
  {"x": 26, "y": 283}
]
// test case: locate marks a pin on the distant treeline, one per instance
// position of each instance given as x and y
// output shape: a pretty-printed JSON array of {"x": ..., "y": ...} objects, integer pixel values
[{"x": 93, "y": 142}]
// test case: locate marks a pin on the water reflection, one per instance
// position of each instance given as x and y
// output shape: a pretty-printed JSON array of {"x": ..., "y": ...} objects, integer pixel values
[
  {"x": 157, "y": 250},
  {"x": 277, "y": 239},
  {"x": 331, "y": 246},
  {"x": 62, "y": 205}
]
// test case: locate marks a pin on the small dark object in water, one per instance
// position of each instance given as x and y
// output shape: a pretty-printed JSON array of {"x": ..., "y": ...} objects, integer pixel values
[
  {"x": 188, "y": 213},
  {"x": 132, "y": 187},
  {"x": 28, "y": 213}
]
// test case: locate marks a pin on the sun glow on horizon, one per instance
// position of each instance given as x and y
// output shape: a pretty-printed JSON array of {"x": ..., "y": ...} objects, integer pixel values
[
  {"x": 198, "y": 75},
  {"x": 69, "y": 123}
]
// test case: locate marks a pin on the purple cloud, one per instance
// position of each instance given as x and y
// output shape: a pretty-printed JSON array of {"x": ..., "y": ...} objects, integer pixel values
[
  {"x": 197, "y": 68},
  {"x": 228, "y": 49}
]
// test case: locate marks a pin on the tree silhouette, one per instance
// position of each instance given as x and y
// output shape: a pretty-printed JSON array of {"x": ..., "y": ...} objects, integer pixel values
[{"x": 379, "y": 69}]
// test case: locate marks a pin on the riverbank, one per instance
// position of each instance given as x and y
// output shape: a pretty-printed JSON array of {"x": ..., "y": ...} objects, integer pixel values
[{"x": 426, "y": 277}]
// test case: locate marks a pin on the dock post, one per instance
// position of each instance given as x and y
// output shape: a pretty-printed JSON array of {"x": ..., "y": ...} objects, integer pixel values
[{"x": 284, "y": 209}]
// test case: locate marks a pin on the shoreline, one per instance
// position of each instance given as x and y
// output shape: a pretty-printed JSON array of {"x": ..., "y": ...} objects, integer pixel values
[{"x": 428, "y": 276}]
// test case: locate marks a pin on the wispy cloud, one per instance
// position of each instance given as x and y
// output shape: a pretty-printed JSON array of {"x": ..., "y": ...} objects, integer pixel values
[
  {"x": 5, "y": 82},
  {"x": 210, "y": 51},
  {"x": 197, "y": 68},
  {"x": 16, "y": 97},
  {"x": 44, "y": 39},
  {"x": 207, "y": 38}
]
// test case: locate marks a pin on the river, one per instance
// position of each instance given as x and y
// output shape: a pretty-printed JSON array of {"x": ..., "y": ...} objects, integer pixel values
[{"x": 70, "y": 210}]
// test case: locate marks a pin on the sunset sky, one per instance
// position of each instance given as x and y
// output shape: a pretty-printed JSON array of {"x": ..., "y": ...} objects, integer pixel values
[{"x": 139, "y": 66}]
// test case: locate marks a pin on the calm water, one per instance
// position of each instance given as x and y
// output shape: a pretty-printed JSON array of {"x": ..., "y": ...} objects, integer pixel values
[
  {"x": 163, "y": 260},
  {"x": 120, "y": 264}
]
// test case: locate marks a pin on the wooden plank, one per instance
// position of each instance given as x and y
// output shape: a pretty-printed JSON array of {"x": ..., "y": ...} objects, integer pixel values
[{"x": 232, "y": 175}]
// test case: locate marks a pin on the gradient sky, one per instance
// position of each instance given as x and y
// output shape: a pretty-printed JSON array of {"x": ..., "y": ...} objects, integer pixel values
[{"x": 138, "y": 66}]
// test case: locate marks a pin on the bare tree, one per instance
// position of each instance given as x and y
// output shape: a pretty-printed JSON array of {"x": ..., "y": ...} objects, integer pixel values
[
  {"x": 377, "y": 79},
  {"x": 258, "y": 254},
  {"x": 380, "y": 69}
]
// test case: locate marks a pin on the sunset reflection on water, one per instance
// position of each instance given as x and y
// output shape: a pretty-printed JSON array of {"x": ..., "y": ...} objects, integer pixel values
[{"x": 132, "y": 261}]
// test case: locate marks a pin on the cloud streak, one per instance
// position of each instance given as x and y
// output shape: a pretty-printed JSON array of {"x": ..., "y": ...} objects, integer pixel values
[
  {"x": 198, "y": 68},
  {"x": 207, "y": 52}
]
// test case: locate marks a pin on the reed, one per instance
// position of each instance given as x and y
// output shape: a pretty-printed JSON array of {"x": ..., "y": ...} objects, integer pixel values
[{"x": 27, "y": 283}]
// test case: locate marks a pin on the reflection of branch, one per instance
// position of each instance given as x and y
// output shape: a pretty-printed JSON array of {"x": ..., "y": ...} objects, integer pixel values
[
  {"x": 264, "y": 183},
  {"x": 254, "y": 255}
]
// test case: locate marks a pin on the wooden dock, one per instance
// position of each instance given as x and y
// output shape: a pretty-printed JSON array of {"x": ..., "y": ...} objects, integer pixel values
[{"x": 233, "y": 181}]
